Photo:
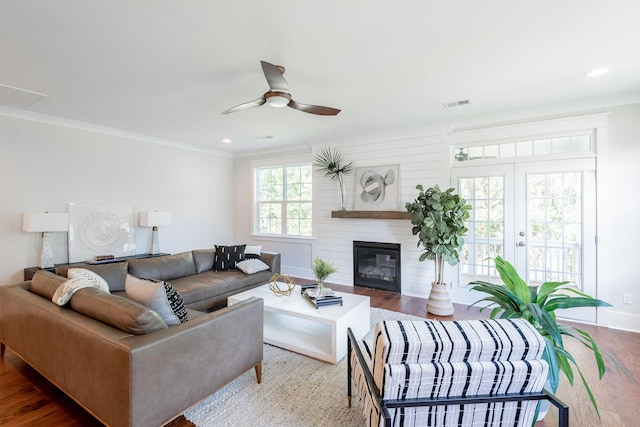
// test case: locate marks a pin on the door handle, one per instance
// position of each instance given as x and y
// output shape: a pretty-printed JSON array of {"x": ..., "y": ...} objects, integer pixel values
[{"x": 522, "y": 244}]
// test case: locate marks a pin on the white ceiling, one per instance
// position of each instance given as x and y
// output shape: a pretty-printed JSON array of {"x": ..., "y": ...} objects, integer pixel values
[{"x": 168, "y": 68}]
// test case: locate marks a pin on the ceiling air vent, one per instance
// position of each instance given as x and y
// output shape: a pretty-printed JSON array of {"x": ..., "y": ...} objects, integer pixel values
[
  {"x": 456, "y": 103},
  {"x": 18, "y": 98}
]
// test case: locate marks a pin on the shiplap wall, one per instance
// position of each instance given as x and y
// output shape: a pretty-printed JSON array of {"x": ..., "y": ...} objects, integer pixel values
[{"x": 421, "y": 160}]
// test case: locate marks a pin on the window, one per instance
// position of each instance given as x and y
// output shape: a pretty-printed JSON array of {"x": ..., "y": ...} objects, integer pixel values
[
  {"x": 558, "y": 145},
  {"x": 486, "y": 226},
  {"x": 283, "y": 200}
]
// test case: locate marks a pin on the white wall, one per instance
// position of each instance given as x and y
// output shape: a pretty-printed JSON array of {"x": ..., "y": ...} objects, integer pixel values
[
  {"x": 422, "y": 158},
  {"x": 623, "y": 206},
  {"x": 45, "y": 166}
]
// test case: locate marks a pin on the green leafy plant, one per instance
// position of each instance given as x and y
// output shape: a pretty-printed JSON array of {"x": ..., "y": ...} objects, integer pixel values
[
  {"x": 515, "y": 299},
  {"x": 331, "y": 164},
  {"x": 322, "y": 269},
  {"x": 438, "y": 218}
]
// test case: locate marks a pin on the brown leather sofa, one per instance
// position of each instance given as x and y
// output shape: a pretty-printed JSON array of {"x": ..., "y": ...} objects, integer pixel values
[{"x": 124, "y": 368}]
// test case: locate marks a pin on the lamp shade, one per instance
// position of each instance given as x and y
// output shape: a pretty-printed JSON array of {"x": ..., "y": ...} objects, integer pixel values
[
  {"x": 155, "y": 219},
  {"x": 45, "y": 221}
]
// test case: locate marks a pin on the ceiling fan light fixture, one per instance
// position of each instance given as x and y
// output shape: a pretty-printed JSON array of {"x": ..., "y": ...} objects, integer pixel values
[
  {"x": 279, "y": 96},
  {"x": 278, "y": 101}
]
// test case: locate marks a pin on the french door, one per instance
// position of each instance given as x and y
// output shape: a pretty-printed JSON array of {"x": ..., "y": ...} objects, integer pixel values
[{"x": 540, "y": 216}]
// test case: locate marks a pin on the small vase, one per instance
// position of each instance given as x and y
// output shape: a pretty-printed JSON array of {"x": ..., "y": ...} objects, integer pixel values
[
  {"x": 320, "y": 290},
  {"x": 342, "y": 188}
]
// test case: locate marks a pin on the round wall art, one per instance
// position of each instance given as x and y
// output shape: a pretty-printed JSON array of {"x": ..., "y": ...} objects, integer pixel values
[{"x": 100, "y": 229}]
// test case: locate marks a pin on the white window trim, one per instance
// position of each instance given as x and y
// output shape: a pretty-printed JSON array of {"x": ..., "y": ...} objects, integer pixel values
[{"x": 257, "y": 164}]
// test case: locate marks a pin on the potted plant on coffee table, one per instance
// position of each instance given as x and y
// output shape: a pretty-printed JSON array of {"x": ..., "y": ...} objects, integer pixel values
[
  {"x": 438, "y": 218},
  {"x": 537, "y": 304},
  {"x": 322, "y": 270}
]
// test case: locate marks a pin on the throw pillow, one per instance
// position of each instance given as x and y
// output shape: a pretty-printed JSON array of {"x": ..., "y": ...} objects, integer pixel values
[
  {"x": 252, "y": 252},
  {"x": 159, "y": 296},
  {"x": 113, "y": 273},
  {"x": 203, "y": 259},
  {"x": 250, "y": 266},
  {"x": 45, "y": 283},
  {"x": 228, "y": 256},
  {"x": 64, "y": 293},
  {"x": 117, "y": 311},
  {"x": 83, "y": 273}
]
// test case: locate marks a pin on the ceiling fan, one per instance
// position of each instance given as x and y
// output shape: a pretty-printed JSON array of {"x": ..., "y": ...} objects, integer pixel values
[{"x": 279, "y": 96}]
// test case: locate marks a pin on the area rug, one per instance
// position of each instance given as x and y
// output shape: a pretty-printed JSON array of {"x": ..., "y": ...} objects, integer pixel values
[{"x": 296, "y": 390}]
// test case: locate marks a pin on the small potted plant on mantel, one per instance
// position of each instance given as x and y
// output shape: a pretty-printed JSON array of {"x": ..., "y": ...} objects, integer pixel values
[
  {"x": 331, "y": 164},
  {"x": 438, "y": 218}
]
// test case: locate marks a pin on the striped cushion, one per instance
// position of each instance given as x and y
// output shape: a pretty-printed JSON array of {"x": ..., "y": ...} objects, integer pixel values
[
  {"x": 454, "y": 341},
  {"x": 461, "y": 379}
]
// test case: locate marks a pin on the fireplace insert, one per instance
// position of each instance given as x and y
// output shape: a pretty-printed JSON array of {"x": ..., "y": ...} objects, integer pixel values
[{"x": 376, "y": 265}]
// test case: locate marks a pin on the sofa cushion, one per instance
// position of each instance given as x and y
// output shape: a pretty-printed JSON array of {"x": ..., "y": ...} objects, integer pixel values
[
  {"x": 163, "y": 267},
  {"x": 215, "y": 286},
  {"x": 228, "y": 256},
  {"x": 203, "y": 259},
  {"x": 119, "y": 312},
  {"x": 45, "y": 283},
  {"x": 159, "y": 296},
  {"x": 114, "y": 273},
  {"x": 251, "y": 266},
  {"x": 252, "y": 252}
]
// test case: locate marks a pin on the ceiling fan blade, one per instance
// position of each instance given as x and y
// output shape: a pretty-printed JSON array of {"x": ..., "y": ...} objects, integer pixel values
[
  {"x": 274, "y": 77},
  {"x": 314, "y": 109},
  {"x": 252, "y": 104}
]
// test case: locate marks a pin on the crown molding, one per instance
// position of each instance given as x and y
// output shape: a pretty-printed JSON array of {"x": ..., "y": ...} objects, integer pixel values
[{"x": 105, "y": 130}]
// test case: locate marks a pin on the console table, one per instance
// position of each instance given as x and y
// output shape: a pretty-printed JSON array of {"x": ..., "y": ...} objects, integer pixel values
[{"x": 30, "y": 271}]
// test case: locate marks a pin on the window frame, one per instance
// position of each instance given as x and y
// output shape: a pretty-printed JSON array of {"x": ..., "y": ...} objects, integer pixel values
[{"x": 272, "y": 164}]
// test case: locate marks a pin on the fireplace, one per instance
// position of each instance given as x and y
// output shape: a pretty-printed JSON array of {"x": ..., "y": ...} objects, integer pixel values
[{"x": 376, "y": 265}]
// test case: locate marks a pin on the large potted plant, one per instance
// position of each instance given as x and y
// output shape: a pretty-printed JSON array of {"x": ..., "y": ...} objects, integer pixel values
[
  {"x": 537, "y": 304},
  {"x": 438, "y": 218}
]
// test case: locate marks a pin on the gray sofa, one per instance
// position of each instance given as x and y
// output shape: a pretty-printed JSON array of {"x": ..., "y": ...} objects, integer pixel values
[
  {"x": 117, "y": 358},
  {"x": 191, "y": 273}
]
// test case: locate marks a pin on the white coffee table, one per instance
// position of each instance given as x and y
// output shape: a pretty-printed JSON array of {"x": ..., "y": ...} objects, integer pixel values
[{"x": 294, "y": 323}]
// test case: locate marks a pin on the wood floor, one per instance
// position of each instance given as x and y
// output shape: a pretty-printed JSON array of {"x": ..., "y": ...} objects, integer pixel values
[{"x": 27, "y": 399}]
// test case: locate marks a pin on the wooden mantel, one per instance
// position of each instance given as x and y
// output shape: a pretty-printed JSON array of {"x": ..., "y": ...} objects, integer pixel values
[{"x": 371, "y": 214}]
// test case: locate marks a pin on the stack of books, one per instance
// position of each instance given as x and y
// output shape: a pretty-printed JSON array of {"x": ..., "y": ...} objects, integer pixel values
[{"x": 328, "y": 297}]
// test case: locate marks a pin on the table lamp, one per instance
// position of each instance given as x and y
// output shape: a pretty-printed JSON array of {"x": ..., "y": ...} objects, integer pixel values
[
  {"x": 45, "y": 223},
  {"x": 154, "y": 219}
]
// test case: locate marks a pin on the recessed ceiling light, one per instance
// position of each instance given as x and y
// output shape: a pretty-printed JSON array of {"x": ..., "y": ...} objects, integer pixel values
[
  {"x": 597, "y": 72},
  {"x": 226, "y": 141}
]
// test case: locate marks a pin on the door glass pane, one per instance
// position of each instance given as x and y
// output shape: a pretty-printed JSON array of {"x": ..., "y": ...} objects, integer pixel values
[
  {"x": 486, "y": 227},
  {"x": 554, "y": 242}
]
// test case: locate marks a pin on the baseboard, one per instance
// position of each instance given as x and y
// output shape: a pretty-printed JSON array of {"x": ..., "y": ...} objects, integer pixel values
[
  {"x": 303, "y": 273},
  {"x": 623, "y": 321}
]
